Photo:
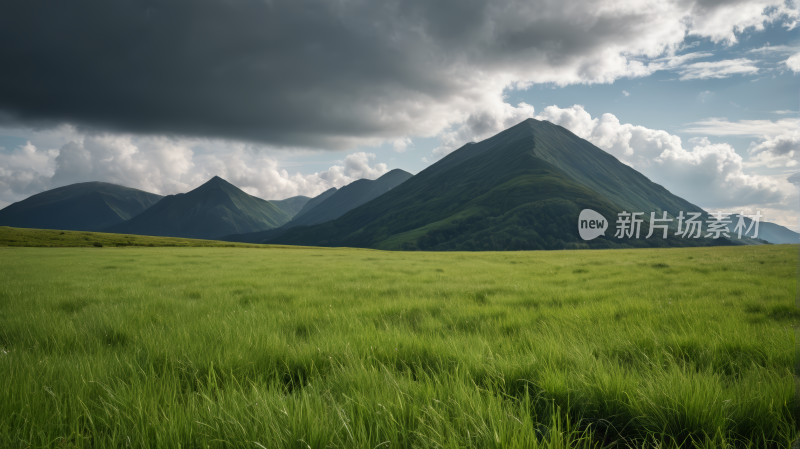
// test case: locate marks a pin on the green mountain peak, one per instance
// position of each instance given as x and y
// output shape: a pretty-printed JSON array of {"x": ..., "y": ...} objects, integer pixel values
[
  {"x": 520, "y": 189},
  {"x": 85, "y": 206},
  {"x": 212, "y": 210}
]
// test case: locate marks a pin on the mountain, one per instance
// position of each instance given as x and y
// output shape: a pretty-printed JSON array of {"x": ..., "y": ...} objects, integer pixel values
[
  {"x": 770, "y": 232},
  {"x": 349, "y": 197},
  {"x": 330, "y": 205},
  {"x": 291, "y": 206},
  {"x": 87, "y": 206},
  {"x": 314, "y": 202},
  {"x": 775, "y": 233},
  {"x": 258, "y": 236},
  {"x": 521, "y": 189},
  {"x": 215, "y": 209}
]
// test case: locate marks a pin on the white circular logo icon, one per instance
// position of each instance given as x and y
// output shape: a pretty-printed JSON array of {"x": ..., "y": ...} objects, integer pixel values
[{"x": 591, "y": 224}]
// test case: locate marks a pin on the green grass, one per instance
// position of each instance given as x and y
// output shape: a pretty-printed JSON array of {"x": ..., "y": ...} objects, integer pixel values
[
  {"x": 280, "y": 348},
  {"x": 54, "y": 238}
]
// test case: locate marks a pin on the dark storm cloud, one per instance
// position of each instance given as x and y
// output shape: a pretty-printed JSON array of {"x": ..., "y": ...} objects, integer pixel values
[
  {"x": 236, "y": 68},
  {"x": 303, "y": 72},
  {"x": 281, "y": 72}
]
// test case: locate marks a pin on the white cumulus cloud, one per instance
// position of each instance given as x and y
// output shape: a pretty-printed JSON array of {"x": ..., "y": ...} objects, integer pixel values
[
  {"x": 720, "y": 21},
  {"x": 710, "y": 175},
  {"x": 793, "y": 62},
  {"x": 167, "y": 166},
  {"x": 402, "y": 144},
  {"x": 482, "y": 124},
  {"x": 779, "y": 151}
]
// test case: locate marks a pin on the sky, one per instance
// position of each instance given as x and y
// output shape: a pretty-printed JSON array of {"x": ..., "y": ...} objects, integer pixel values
[{"x": 286, "y": 98}]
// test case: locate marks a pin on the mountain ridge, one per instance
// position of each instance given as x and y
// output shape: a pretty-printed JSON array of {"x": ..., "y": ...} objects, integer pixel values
[
  {"x": 212, "y": 210},
  {"x": 291, "y": 206},
  {"x": 520, "y": 189},
  {"x": 331, "y": 204},
  {"x": 351, "y": 196},
  {"x": 314, "y": 202},
  {"x": 85, "y": 206}
]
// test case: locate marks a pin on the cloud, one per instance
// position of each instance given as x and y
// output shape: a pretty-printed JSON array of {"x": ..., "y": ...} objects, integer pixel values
[
  {"x": 707, "y": 174},
  {"x": 716, "y": 126},
  {"x": 333, "y": 75},
  {"x": 779, "y": 151},
  {"x": 674, "y": 62},
  {"x": 167, "y": 166},
  {"x": 774, "y": 49},
  {"x": 716, "y": 170},
  {"x": 401, "y": 145},
  {"x": 356, "y": 166},
  {"x": 626, "y": 93},
  {"x": 779, "y": 144},
  {"x": 686, "y": 45},
  {"x": 481, "y": 125},
  {"x": 717, "y": 69},
  {"x": 793, "y": 63},
  {"x": 25, "y": 171},
  {"x": 705, "y": 95},
  {"x": 634, "y": 145},
  {"x": 721, "y": 20}
]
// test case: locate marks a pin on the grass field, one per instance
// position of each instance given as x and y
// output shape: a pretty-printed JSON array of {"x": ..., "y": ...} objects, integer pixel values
[
  {"x": 313, "y": 348},
  {"x": 48, "y": 238}
]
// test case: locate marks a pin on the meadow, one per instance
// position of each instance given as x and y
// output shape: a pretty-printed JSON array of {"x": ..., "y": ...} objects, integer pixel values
[
  {"x": 348, "y": 348},
  {"x": 49, "y": 238}
]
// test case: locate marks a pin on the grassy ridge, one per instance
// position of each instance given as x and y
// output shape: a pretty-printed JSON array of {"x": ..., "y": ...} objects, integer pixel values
[
  {"x": 55, "y": 238},
  {"x": 231, "y": 347}
]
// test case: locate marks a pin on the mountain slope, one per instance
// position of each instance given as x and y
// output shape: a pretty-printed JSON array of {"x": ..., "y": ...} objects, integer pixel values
[
  {"x": 774, "y": 233},
  {"x": 330, "y": 205},
  {"x": 258, "y": 236},
  {"x": 215, "y": 209},
  {"x": 291, "y": 206},
  {"x": 521, "y": 189},
  {"x": 314, "y": 202},
  {"x": 770, "y": 232},
  {"x": 351, "y": 196},
  {"x": 87, "y": 206}
]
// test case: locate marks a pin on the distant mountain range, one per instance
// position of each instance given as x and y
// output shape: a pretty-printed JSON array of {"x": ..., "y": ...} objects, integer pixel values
[
  {"x": 351, "y": 196},
  {"x": 771, "y": 232},
  {"x": 213, "y": 210},
  {"x": 521, "y": 189},
  {"x": 87, "y": 206},
  {"x": 314, "y": 202},
  {"x": 291, "y": 206},
  {"x": 331, "y": 205}
]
